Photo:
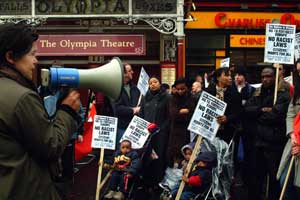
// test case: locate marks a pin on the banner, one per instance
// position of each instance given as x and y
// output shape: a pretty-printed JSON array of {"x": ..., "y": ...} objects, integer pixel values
[
  {"x": 137, "y": 132},
  {"x": 104, "y": 132},
  {"x": 297, "y": 46},
  {"x": 204, "y": 120},
  {"x": 225, "y": 62},
  {"x": 280, "y": 43},
  {"x": 143, "y": 82}
]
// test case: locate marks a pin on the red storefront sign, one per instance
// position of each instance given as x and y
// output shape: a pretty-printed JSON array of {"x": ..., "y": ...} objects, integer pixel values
[{"x": 91, "y": 45}]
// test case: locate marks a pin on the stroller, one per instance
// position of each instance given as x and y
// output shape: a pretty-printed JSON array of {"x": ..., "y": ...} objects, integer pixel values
[
  {"x": 221, "y": 175},
  {"x": 132, "y": 183}
]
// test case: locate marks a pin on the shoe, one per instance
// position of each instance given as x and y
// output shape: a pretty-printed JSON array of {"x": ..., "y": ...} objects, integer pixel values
[
  {"x": 118, "y": 196},
  {"x": 164, "y": 186},
  {"x": 110, "y": 194}
]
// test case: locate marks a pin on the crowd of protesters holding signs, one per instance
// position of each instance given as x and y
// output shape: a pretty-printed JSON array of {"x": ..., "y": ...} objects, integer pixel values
[{"x": 252, "y": 133}]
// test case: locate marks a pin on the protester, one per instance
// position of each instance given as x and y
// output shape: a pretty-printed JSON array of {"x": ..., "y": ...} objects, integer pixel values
[
  {"x": 200, "y": 178},
  {"x": 181, "y": 108},
  {"x": 223, "y": 90},
  {"x": 165, "y": 87},
  {"x": 269, "y": 129},
  {"x": 125, "y": 164},
  {"x": 154, "y": 109},
  {"x": 30, "y": 143},
  {"x": 196, "y": 89},
  {"x": 127, "y": 106},
  {"x": 292, "y": 146}
]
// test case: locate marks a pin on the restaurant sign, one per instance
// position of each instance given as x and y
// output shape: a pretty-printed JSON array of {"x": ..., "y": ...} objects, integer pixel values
[
  {"x": 247, "y": 41},
  {"x": 90, "y": 45}
]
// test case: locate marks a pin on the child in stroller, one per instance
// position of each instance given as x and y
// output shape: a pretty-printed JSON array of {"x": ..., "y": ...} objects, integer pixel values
[
  {"x": 125, "y": 163},
  {"x": 200, "y": 178},
  {"x": 173, "y": 175}
]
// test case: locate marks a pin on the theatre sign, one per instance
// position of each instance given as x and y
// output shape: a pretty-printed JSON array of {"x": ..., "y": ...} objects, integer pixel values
[{"x": 161, "y": 14}]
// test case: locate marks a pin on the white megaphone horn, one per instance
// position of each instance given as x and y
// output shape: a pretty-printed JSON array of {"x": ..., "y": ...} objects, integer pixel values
[{"x": 107, "y": 78}]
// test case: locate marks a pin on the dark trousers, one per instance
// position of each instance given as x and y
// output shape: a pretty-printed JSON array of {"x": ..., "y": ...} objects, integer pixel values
[
  {"x": 118, "y": 180},
  {"x": 265, "y": 163}
]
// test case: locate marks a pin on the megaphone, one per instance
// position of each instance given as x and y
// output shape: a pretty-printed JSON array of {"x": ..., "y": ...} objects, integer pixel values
[{"x": 107, "y": 78}]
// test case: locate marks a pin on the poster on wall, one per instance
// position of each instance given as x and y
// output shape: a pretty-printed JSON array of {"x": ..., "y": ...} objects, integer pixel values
[
  {"x": 168, "y": 73},
  {"x": 280, "y": 43}
]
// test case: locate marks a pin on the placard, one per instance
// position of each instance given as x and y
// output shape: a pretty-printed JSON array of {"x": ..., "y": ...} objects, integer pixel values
[
  {"x": 104, "y": 132},
  {"x": 297, "y": 46},
  {"x": 225, "y": 62},
  {"x": 136, "y": 132},
  {"x": 143, "y": 82},
  {"x": 204, "y": 120},
  {"x": 280, "y": 43}
]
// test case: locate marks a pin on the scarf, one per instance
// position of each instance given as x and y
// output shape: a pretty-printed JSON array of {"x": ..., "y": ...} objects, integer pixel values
[
  {"x": 220, "y": 92},
  {"x": 15, "y": 75}
]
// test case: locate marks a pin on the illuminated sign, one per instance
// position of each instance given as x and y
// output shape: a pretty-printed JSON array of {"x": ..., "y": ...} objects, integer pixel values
[
  {"x": 90, "y": 45},
  {"x": 254, "y": 41},
  {"x": 236, "y": 20}
]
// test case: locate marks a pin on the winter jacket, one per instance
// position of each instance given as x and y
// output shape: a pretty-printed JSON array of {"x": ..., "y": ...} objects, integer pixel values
[
  {"x": 287, "y": 155},
  {"x": 124, "y": 105},
  {"x": 129, "y": 162},
  {"x": 29, "y": 141},
  {"x": 269, "y": 128},
  {"x": 232, "y": 112}
]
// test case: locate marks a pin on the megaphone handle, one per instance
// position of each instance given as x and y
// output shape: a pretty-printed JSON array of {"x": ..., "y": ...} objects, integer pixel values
[{"x": 88, "y": 105}]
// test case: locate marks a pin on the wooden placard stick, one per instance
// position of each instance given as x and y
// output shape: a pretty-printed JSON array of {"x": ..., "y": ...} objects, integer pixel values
[
  {"x": 189, "y": 165},
  {"x": 99, "y": 173}
]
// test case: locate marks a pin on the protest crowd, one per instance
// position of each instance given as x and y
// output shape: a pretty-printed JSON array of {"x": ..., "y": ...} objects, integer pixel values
[{"x": 256, "y": 136}]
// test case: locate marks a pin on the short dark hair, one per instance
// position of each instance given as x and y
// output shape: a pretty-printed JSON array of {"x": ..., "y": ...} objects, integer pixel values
[
  {"x": 219, "y": 72},
  {"x": 271, "y": 68},
  {"x": 17, "y": 38},
  {"x": 181, "y": 81},
  {"x": 128, "y": 141}
]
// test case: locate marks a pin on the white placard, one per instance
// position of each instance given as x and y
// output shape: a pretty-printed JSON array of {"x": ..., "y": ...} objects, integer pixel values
[
  {"x": 297, "y": 46},
  {"x": 280, "y": 43},
  {"x": 225, "y": 62},
  {"x": 204, "y": 120},
  {"x": 104, "y": 132},
  {"x": 143, "y": 82},
  {"x": 136, "y": 132}
]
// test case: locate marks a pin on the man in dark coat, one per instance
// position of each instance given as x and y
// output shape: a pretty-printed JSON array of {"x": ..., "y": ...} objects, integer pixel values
[
  {"x": 269, "y": 132},
  {"x": 127, "y": 106},
  {"x": 29, "y": 141}
]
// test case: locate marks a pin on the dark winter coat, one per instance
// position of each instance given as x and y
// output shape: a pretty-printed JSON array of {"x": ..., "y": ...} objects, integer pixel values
[
  {"x": 232, "y": 112},
  {"x": 154, "y": 108},
  {"x": 179, "y": 135},
  {"x": 129, "y": 162},
  {"x": 124, "y": 111},
  {"x": 29, "y": 141},
  {"x": 269, "y": 128}
]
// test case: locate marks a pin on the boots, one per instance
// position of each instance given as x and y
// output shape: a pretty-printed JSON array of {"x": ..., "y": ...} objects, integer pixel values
[
  {"x": 110, "y": 194},
  {"x": 118, "y": 196}
]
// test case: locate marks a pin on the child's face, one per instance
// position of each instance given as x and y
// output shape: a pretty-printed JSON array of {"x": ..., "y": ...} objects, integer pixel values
[
  {"x": 187, "y": 154},
  {"x": 201, "y": 164},
  {"x": 125, "y": 147}
]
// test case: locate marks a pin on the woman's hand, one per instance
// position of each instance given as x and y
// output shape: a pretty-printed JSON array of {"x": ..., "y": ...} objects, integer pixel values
[{"x": 222, "y": 119}]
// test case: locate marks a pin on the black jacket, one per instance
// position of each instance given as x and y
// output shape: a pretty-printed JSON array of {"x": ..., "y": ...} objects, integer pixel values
[
  {"x": 269, "y": 128},
  {"x": 124, "y": 111},
  {"x": 232, "y": 112}
]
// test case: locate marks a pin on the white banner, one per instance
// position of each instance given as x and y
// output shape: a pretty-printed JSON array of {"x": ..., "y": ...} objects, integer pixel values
[
  {"x": 104, "y": 132},
  {"x": 297, "y": 46},
  {"x": 204, "y": 120},
  {"x": 137, "y": 132},
  {"x": 143, "y": 82},
  {"x": 225, "y": 62},
  {"x": 280, "y": 43}
]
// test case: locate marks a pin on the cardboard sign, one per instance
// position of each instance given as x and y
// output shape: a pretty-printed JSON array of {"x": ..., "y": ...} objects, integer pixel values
[
  {"x": 297, "y": 46},
  {"x": 136, "y": 132},
  {"x": 143, "y": 82},
  {"x": 104, "y": 132},
  {"x": 204, "y": 120},
  {"x": 280, "y": 43},
  {"x": 225, "y": 62}
]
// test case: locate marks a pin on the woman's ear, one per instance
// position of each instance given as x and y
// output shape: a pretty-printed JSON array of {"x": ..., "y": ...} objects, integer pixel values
[{"x": 9, "y": 57}]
